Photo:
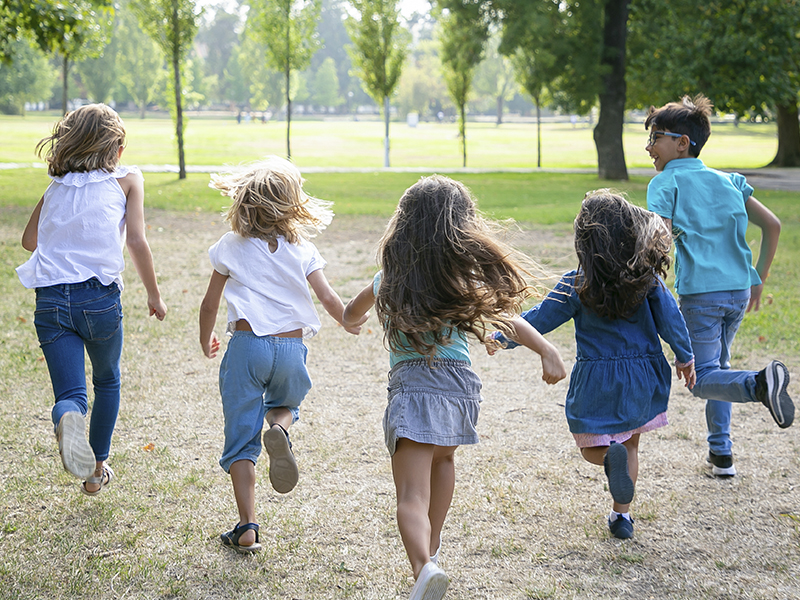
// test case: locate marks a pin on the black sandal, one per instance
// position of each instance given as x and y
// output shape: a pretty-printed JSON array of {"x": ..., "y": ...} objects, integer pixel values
[{"x": 231, "y": 538}]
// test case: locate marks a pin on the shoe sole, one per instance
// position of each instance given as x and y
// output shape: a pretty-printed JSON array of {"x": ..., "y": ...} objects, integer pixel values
[
  {"x": 283, "y": 473},
  {"x": 77, "y": 455},
  {"x": 780, "y": 404},
  {"x": 722, "y": 471},
  {"x": 620, "y": 483},
  {"x": 433, "y": 588}
]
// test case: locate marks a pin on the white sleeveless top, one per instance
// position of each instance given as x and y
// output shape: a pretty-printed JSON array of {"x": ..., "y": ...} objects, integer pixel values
[
  {"x": 81, "y": 231},
  {"x": 268, "y": 289}
]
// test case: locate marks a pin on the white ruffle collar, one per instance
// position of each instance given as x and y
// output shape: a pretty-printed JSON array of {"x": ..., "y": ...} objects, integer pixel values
[{"x": 82, "y": 179}]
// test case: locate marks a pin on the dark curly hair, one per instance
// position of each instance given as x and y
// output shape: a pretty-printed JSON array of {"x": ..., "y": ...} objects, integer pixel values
[
  {"x": 444, "y": 269},
  {"x": 622, "y": 249}
]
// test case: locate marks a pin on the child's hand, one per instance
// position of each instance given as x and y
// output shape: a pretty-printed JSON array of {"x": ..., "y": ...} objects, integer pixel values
[
  {"x": 355, "y": 328},
  {"x": 157, "y": 308},
  {"x": 211, "y": 347},
  {"x": 491, "y": 344},
  {"x": 688, "y": 373},
  {"x": 553, "y": 369}
]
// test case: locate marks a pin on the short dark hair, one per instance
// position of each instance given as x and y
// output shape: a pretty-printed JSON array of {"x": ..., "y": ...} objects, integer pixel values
[{"x": 688, "y": 117}]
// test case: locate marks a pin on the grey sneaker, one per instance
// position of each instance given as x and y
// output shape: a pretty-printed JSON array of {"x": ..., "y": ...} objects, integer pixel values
[
  {"x": 721, "y": 464},
  {"x": 771, "y": 384},
  {"x": 283, "y": 473},
  {"x": 77, "y": 455}
]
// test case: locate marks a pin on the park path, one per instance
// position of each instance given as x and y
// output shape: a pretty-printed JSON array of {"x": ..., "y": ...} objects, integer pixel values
[{"x": 765, "y": 178}]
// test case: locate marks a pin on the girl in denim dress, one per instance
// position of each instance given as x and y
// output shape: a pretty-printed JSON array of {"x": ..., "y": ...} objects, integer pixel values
[
  {"x": 443, "y": 276},
  {"x": 92, "y": 207},
  {"x": 265, "y": 266},
  {"x": 620, "y": 384}
]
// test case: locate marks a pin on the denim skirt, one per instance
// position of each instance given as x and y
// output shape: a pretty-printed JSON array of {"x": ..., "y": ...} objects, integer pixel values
[{"x": 432, "y": 404}]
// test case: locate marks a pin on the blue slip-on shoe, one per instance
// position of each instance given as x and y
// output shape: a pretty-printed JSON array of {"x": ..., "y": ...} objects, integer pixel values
[
  {"x": 620, "y": 483},
  {"x": 621, "y": 528}
]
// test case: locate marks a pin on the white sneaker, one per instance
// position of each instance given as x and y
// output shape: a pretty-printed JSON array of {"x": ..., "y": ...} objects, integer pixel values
[
  {"x": 431, "y": 584},
  {"x": 77, "y": 455},
  {"x": 435, "y": 557}
]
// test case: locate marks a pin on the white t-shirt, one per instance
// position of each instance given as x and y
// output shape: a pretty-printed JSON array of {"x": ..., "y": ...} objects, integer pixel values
[
  {"x": 81, "y": 231},
  {"x": 268, "y": 289}
]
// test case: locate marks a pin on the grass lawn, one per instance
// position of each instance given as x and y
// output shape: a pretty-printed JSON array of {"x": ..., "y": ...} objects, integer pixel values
[{"x": 214, "y": 141}]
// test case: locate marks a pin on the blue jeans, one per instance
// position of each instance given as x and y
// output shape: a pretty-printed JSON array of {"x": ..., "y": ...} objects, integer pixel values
[
  {"x": 257, "y": 374},
  {"x": 70, "y": 318},
  {"x": 713, "y": 319}
]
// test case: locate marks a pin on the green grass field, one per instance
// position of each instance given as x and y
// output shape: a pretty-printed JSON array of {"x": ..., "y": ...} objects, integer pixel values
[{"x": 344, "y": 143}]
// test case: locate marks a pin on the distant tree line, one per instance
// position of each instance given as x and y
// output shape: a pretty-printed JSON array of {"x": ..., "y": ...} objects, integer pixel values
[{"x": 463, "y": 57}]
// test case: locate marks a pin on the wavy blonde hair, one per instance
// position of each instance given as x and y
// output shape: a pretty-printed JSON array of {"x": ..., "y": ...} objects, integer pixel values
[
  {"x": 622, "y": 249},
  {"x": 268, "y": 201},
  {"x": 444, "y": 269},
  {"x": 86, "y": 139}
]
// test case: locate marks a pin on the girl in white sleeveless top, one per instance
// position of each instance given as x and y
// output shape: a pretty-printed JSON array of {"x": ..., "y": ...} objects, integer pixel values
[
  {"x": 76, "y": 232},
  {"x": 265, "y": 266}
]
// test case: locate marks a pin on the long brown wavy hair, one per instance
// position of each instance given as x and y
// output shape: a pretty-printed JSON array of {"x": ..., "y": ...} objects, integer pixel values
[
  {"x": 86, "y": 139},
  {"x": 444, "y": 269},
  {"x": 622, "y": 249}
]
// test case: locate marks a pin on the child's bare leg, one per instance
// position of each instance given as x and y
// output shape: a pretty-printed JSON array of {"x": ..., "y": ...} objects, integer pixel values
[
  {"x": 281, "y": 416},
  {"x": 411, "y": 467},
  {"x": 243, "y": 477},
  {"x": 443, "y": 481}
]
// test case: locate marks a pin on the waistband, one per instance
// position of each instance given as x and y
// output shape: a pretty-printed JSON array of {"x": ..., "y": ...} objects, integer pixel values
[{"x": 92, "y": 283}]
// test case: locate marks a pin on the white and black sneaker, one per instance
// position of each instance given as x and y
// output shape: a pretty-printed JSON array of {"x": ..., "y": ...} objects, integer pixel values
[
  {"x": 721, "y": 464},
  {"x": 771, "y": 384}
]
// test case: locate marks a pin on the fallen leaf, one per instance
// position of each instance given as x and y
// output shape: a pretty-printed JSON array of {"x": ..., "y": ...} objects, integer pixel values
[
  {"x": 149, "y": 448},
  {"x": 762, "y": 339},
  {"x": 22, "y": 319}
]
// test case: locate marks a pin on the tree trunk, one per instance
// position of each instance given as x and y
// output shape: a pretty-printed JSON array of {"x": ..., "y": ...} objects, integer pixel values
[
  {"x": 386, "y": 108},
  {"x": 538, "y": 133},
  {"x": 788, "y": 137},
  {"x": 462, "y": 127},
  {"x": 608, "y": 132},
  {"x": 65, "y": 91},
  {"x": 500, "y": 109},
  {"x": 176, "y": 65},
  {"x": 288, "y": 112}
]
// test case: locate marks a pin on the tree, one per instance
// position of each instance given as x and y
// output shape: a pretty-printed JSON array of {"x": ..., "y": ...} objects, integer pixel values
[
  {"x": 287, "y": 28},
  {"x": 378, "y": 52},
  {"x": 265, "y": 85},
  {"x": 218, "y": 38},
  {"x": 750, "y": 66},
  {"x": 326, "y": 85},
  {"x": 73, "y": 30},
  {"x": 28, "y": 79},
  {"x": 140, "y": 63},
  {"x": 421, "y": 87},
  {"x": 172, "y": 24},
  {"x": 463, "y": 35},
  {"x": 99, "y": 74},
  {"x": 495, "y": 76}
]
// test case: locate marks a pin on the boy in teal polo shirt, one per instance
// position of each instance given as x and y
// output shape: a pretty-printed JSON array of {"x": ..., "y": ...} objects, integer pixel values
[{"x": 708, "y": 212}]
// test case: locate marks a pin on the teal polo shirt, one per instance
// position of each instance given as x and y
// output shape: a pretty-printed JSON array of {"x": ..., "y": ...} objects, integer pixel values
[{"x": 709, "y": 222}]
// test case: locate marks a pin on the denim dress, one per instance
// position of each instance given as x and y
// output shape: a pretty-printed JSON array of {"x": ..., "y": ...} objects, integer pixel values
[{"x": 621, "y": 379}]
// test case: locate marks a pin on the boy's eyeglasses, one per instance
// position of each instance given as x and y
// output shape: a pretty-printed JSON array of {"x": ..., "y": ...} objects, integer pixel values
[{"x": 653, "y": 137}]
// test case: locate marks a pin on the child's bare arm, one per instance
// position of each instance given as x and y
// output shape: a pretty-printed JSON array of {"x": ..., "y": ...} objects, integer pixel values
[
  {"x": 330, "y": 300},
  {"x": 553, "y": 369},
  {"x": 208, "y": 314},
  {"x": 138, "y": 248},
  {"x": 30, "y": 237},
  {"x": 357, "y": 310},
  {"x": 770, "y": 226}
]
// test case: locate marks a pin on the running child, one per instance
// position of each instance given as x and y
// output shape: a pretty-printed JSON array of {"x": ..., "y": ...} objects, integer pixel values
[
  {"x": 619, "y": 386},
  {"x": 264, "y": 266},
  {"x": 708, "y": 212},
  {"x": 92, "y": 207},
  {"x": 443, "y": 275}
]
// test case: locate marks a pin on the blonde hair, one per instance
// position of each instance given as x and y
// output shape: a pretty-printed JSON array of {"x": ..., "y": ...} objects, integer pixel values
[
  {"x": 86, "y": 139},
  {"x": 268, "y": 201}
]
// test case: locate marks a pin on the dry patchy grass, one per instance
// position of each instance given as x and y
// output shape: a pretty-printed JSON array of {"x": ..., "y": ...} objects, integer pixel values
[{"x": 528, "y": 517}]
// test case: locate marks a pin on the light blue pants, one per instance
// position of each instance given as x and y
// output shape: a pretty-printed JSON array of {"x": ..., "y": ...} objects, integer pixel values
[{"x": 713, "y": 319}]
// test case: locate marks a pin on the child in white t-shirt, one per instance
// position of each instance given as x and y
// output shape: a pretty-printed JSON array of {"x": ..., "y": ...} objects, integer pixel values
[
  {"x": 92, "y": 208},
  {"x": 264, "y": 267}
]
